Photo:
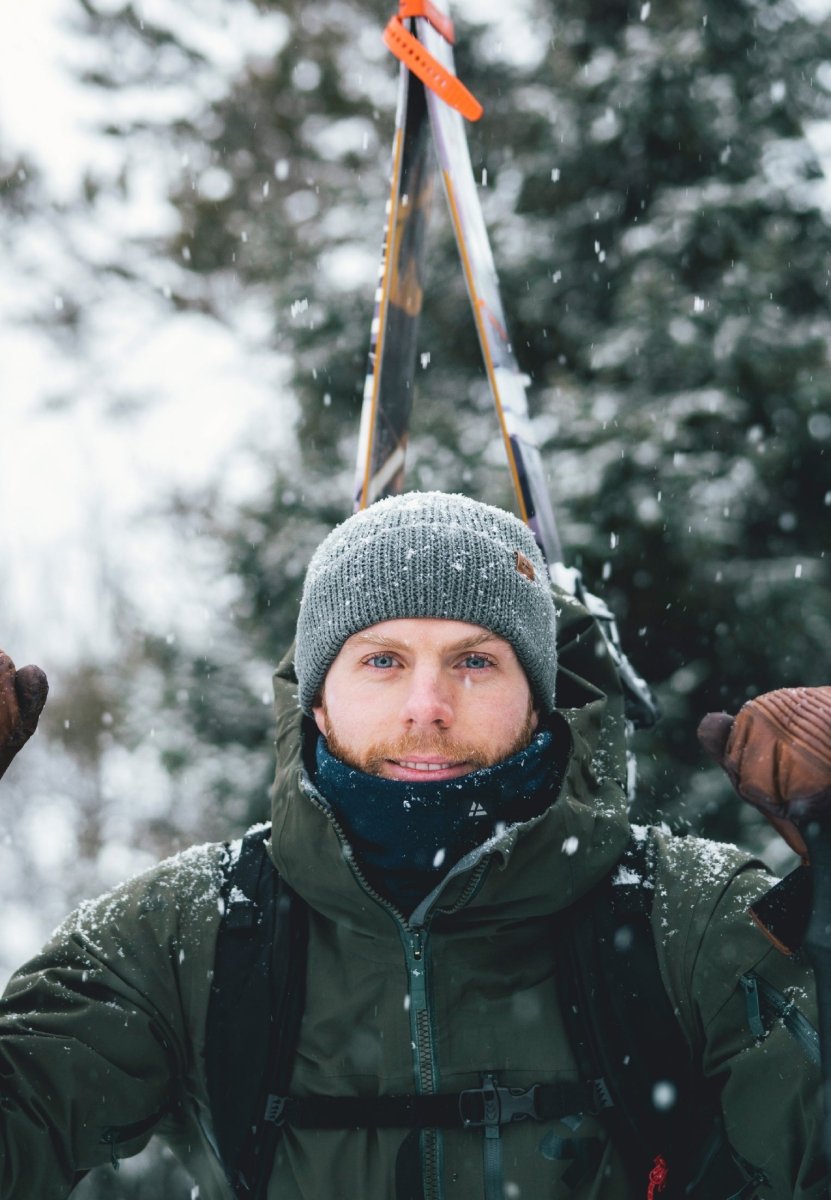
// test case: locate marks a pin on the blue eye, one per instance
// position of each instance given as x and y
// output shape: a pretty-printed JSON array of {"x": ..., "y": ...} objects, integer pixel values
[
  {"x": 381, "y": 661},
  {"x": 475, "y": 662}
]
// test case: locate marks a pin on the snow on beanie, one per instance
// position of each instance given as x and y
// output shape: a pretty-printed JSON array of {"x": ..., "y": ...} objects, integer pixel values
[{"x": 428, "y": 554}]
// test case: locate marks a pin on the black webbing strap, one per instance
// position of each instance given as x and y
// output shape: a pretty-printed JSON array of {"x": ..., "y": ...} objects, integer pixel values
[
  {"x": 782, "y": 913},
  {"x": 473, "y": 1108},
  {"x": 622, "y": 1026},
  {"x": 254, "y": 1012}
]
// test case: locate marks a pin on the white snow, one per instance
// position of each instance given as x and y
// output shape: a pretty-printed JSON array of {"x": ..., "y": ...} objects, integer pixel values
[{"x": 624, "y": 876}]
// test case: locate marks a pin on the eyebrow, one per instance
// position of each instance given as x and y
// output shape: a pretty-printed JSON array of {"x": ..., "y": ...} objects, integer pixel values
[{"x": 468, "y": 643}]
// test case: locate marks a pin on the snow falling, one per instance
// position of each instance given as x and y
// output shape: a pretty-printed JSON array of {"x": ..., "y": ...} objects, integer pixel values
[{"x": 180, "y": 310}]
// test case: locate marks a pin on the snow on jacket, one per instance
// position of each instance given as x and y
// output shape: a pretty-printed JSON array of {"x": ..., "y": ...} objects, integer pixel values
[{"x": 102, "y": 1035}]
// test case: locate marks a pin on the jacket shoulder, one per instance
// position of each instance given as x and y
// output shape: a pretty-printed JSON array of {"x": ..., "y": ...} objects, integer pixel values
[
  {"x": 705, "y": 936},
  {"x": 180, "y": 892}
]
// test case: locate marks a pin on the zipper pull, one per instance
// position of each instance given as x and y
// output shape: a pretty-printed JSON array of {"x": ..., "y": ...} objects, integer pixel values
[
  {"x": 752, "y": 1007},
  {"x": 109, "y": 1138},
  {"x": 418, "y": 945}
]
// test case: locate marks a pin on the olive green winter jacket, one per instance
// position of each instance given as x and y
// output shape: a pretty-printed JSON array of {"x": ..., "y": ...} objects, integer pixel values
[{"x": 102, "y": 1036}]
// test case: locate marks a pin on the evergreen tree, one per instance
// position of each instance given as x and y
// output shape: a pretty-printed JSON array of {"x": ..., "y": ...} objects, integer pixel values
[{"x": 689, "y": 322}]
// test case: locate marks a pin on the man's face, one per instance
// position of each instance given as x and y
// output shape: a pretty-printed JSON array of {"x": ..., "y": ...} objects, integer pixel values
[{"x": 425, "y": 699}]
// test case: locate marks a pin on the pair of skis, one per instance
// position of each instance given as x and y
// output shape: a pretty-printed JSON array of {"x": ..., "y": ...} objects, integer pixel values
[{"x": 429, "y": 131}]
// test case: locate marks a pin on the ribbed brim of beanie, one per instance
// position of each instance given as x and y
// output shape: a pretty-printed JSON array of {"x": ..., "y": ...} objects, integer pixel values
[{"x": 428, "y": 554}]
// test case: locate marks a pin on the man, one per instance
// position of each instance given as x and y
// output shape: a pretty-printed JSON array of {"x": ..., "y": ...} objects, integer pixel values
[{"x": 444, "y": 797}]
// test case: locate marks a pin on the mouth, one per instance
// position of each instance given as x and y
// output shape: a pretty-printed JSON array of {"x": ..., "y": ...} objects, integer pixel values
[{"x": 434, "y": 769}]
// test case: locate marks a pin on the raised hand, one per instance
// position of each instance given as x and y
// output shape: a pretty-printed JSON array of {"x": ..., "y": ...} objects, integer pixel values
[
  {"x": 777, "y": 754},
  {"x": 22, "y": 697}
]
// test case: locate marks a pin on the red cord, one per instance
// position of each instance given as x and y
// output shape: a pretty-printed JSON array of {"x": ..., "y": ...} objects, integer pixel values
[{"x": 657, "y": 1177}]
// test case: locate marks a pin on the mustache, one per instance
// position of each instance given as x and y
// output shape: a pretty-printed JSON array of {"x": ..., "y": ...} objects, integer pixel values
[
  {"x": 411, "y": 744},
  {"x": 408, "y": 747}
]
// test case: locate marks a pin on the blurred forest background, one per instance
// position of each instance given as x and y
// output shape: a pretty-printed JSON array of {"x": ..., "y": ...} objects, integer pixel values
[{"x": 652, "y": 179}]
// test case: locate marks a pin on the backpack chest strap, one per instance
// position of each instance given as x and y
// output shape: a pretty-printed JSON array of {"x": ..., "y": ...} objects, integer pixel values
[{"x": 474, "y": 1108}]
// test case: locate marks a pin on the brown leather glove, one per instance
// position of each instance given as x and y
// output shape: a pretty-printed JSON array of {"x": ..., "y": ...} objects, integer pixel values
[
  {"x": 22, "y": 697},
  {"x": 777, "y": 753}
]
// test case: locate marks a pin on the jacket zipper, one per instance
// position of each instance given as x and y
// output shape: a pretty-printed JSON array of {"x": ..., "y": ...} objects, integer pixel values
[
  {"x": 425, "y": 1065},
  {"x": 414, "y": 939},
  {"x": 424, "y": 1056},
  {"x": 762, "y": 999}
]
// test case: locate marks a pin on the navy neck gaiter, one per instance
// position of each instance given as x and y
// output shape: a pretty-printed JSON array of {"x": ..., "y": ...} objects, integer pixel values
[{"x": 406, "y": 836}]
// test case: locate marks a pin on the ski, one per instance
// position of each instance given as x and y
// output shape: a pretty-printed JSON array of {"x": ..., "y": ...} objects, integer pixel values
[
  {"x": 388, "y": 389},
  {"x": 431, "y": 105},
  {"x": 504, "y": 376}
]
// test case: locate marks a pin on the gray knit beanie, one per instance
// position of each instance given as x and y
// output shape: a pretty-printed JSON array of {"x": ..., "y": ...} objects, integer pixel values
[{"x": 428, "y": 554}]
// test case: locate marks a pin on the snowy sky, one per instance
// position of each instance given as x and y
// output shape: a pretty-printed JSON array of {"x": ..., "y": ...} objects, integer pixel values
[{"x": 75, "y": 485}]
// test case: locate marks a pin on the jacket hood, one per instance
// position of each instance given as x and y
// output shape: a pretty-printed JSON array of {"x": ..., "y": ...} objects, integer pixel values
[{"x": 531, "y": 869}]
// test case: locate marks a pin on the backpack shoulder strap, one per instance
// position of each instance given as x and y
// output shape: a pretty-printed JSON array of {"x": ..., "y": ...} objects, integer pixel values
[
  {"x": 620, "y": 1019},
  {"x": 256, "y": 1001}
]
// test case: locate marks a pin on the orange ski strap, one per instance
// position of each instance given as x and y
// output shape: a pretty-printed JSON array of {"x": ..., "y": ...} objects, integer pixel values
[{"x": 409, "y": 50}]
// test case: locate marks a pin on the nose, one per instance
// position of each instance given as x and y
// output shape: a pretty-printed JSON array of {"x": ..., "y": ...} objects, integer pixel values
[{"x": 428, "y": 702}]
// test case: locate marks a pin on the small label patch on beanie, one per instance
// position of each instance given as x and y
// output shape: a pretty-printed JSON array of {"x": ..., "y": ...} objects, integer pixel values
[{"x": 524, "y": 565}]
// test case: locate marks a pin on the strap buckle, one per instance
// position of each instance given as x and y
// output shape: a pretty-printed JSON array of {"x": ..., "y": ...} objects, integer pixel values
[
  {"x": 275, "y": 1110},
  {"x": 602, "y": 1095},
  {"x": 491, "y": 1105}
]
